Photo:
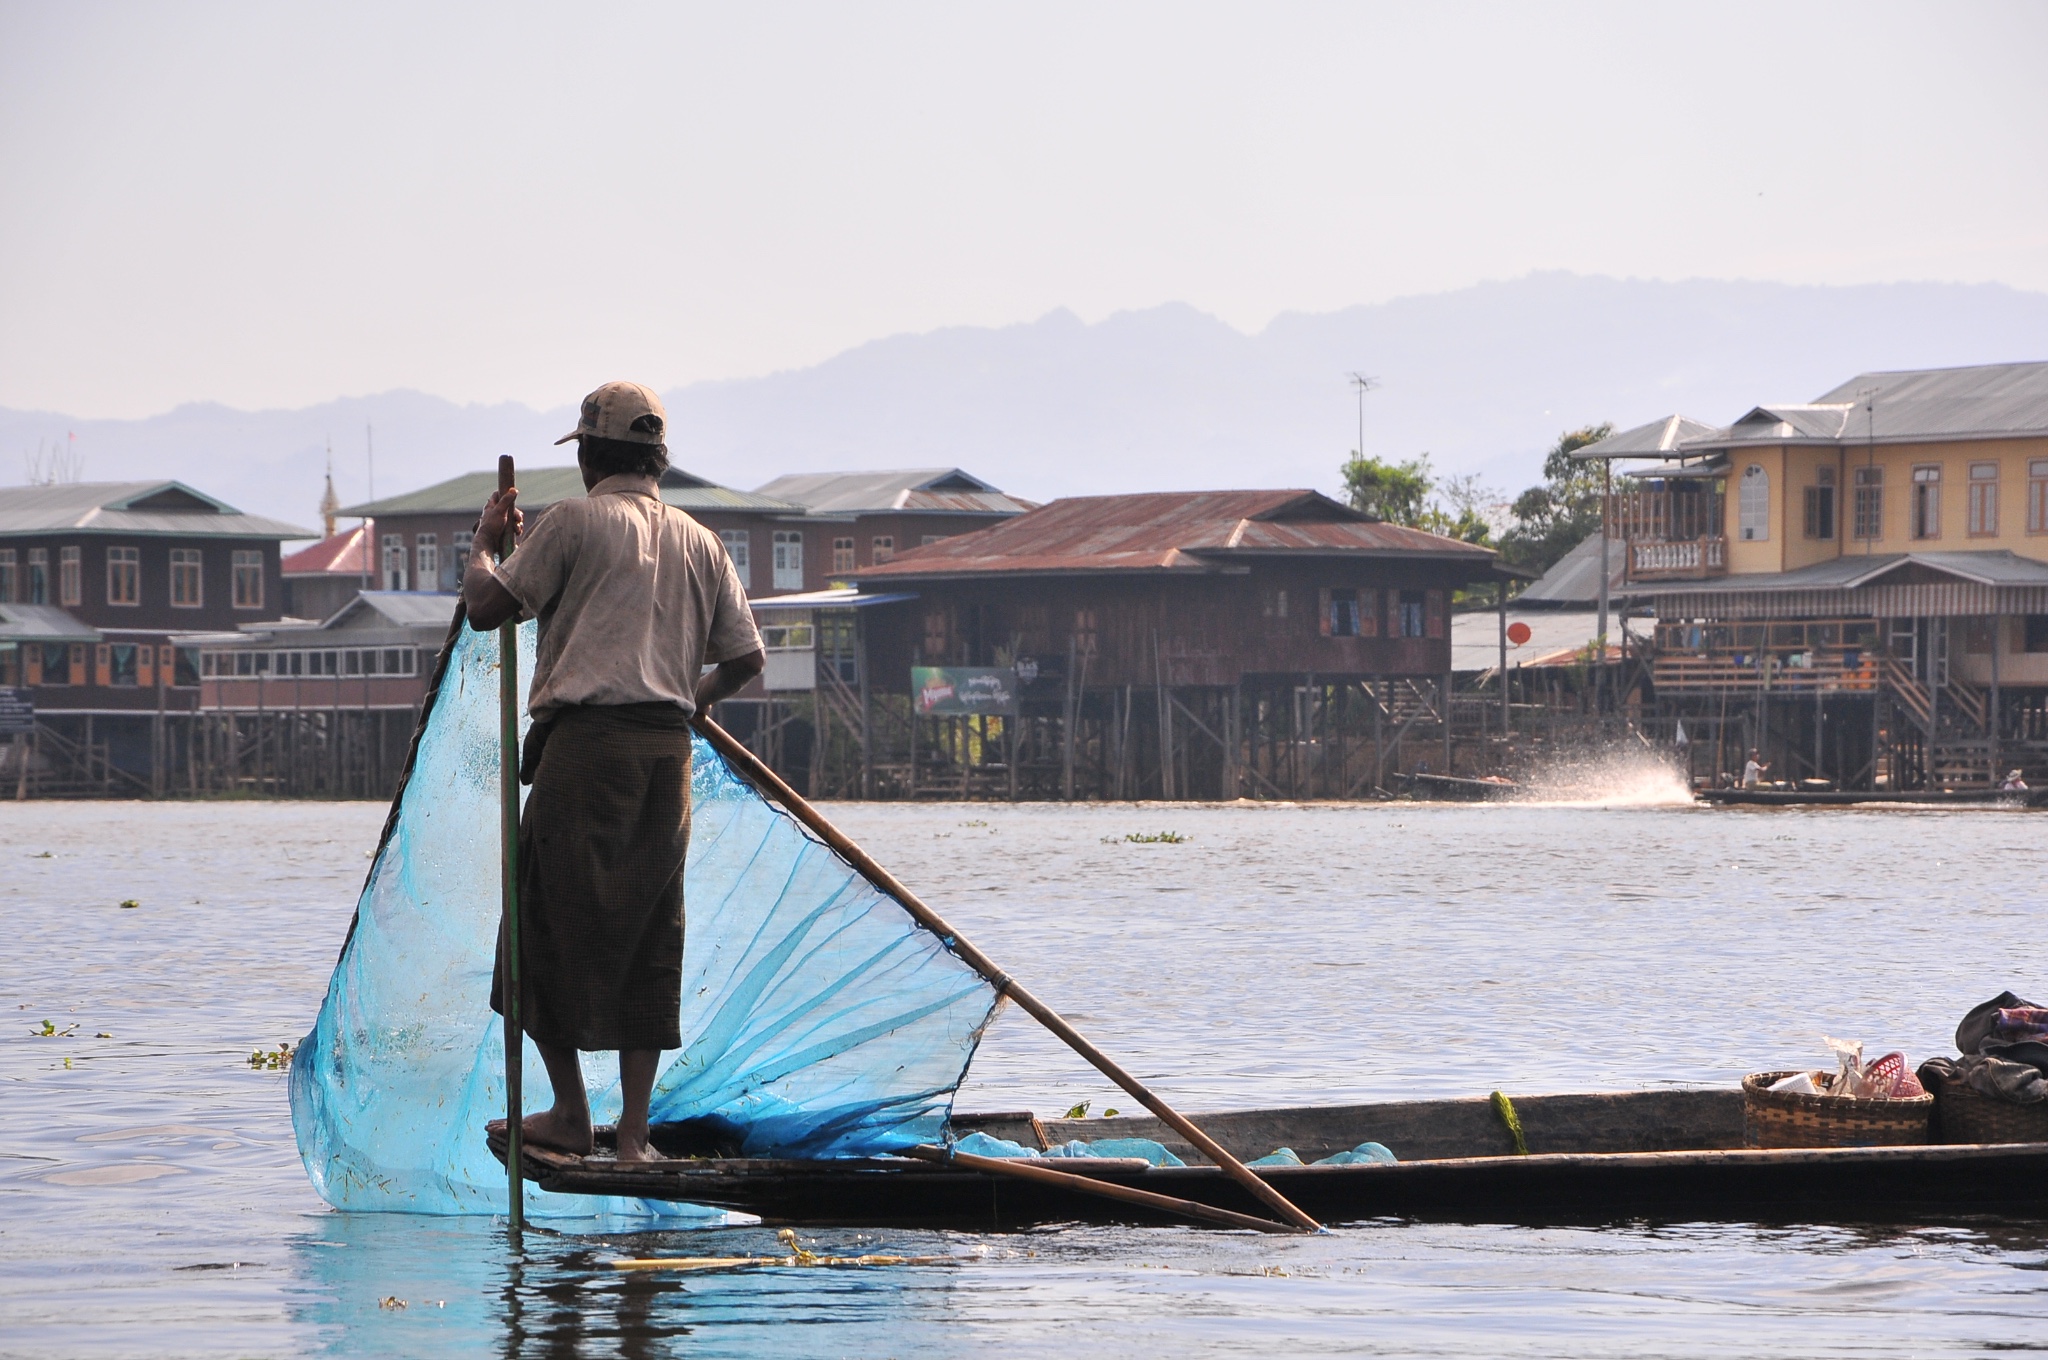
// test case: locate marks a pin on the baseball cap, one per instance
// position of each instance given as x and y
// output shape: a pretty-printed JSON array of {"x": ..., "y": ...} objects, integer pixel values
[{"x": 621, "y": 410}]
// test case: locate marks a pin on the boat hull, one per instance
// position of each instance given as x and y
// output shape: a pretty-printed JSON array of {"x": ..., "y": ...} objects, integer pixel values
[{"x": 1658, "y": 1156}]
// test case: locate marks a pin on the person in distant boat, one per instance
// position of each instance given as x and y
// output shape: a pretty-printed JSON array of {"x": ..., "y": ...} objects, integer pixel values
[
  {"x": 1753, "y": 771},
  {"x": 2015, "y": 782},
  {"x": 634, "y": 599}
]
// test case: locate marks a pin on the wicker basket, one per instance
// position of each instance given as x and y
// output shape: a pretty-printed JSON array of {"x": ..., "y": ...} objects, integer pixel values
[
  {"x": 1964, "y": 1114},
  {"x": 1786, "y": 1119}
]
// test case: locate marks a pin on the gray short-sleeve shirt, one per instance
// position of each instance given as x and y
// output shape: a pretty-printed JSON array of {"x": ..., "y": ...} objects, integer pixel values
[{"x": 634, "y": 598}]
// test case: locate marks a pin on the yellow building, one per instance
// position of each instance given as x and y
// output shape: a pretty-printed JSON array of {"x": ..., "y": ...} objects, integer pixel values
[{"x": 1865, "y": 576}]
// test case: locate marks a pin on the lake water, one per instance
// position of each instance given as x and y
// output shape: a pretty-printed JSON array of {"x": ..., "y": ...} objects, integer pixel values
[{"x": 151, "y": 1201}]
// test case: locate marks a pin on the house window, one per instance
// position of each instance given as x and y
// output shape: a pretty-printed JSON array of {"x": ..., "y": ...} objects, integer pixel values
[
  {"x": 38, "y": 583},
  {"x": 124, "y": 576},
  {"x": 1983, "y": 500},
  {"x": 935, "y": 640},
  {"x": 187, "y": 590},
  {"x": 930, "y": 539},
  {"x": 789, "y": 559},
  {"x": 1820, "y": 504},
  {"x": 394, "y": 562},
  {"x": 121, "y": 665},
  {"x": 2037, "y": 498},
  {"x": 1410, "y": 610},
  {"x": 248, "y": 580},
  {"x": 1084, "y": 632},
  {"x": 426, "y": 559},
  {"x": 1280, "y": 604},
  {"x": 1753, "y": 507},
  {"x": 842, "y": 556},
  {"x": 1869, "y": 507},
  {"x": 7, "y": 570},
  {"x": 1927, "y": 501},
  {"x": 885, "y": 548},
  {"x": 735, "y": 541},
  {"x": 461, "y": 556},
  {"x": 56, "y": 663},
  {"x": 1343, "y": 613},
  {"x": 2034, "y": 633},
  {"x": 70, "y": 577}
]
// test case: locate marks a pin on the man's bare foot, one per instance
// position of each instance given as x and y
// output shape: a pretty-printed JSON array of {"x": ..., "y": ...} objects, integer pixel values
[
  {"x": 633, "y": 1148},
  {"x": 557, "y": 1131}
]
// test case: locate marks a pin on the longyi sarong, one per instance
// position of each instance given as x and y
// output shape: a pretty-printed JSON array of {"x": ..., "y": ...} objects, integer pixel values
[{"x": 601, "y": 849}]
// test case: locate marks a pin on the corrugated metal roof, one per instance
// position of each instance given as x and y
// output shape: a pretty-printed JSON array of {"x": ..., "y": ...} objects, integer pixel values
[
  {"x": 42, "y": 623},
  {"x": 400, "y": 608},
  {"x": 1658, "y": 439},
  {"x": 131, "y": 508},
  {"x": 909, "y": 490},
  {"x": 1556, "y": 637},
  {"x": 1575, "y": 577},
  {"x": 541, "y": 487},
  {"x": 834, "y": 597},
  {"x": 1984, "y": 401},
  {"x": 341, "y": 555},
  {"x": 1170, "y": 531},
  {"x": 1857, "y": 570}
]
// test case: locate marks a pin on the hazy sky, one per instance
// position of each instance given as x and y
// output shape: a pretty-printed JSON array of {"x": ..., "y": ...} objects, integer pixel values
[{"x": 271, "y": 204}]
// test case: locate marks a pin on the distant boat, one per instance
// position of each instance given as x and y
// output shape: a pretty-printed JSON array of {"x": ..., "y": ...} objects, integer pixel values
[
  {"x": 1847, "y": 797},
  {"x": 1459, "y": 788}
]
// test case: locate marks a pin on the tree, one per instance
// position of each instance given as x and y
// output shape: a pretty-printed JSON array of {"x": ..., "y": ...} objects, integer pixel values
[
  {"x": 1395, "y": 492},
  {"x": 1410, "y": 494},
  {"x": 1554, "y": 518}
]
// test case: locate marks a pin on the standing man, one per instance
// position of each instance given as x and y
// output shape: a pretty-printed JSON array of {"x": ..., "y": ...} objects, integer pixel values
[
  {"x": 1753, "y": 770},
  {"x": 634, "y": 599}
]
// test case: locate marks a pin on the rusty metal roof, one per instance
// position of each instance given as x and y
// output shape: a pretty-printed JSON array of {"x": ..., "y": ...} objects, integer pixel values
[
  {"x": 342, "y": 554},
  {"x": 1169, "y": 531}
]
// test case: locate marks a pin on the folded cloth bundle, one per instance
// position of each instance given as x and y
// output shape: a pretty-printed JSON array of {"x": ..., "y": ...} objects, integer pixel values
[{"x": 2004, "y": 1047}]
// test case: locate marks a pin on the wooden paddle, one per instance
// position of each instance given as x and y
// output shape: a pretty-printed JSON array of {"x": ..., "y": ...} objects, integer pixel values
[
  {"x": 508, "y": 885},
  {"x": 1028, "y": 1170},
  {"x": 757, "y": 770}
]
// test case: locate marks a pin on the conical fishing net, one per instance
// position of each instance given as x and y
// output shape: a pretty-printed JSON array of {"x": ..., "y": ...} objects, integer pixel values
[{"x": 820, "y": 1020}]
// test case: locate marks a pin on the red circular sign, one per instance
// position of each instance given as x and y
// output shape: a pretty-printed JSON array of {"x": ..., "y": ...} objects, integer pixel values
[{"x": 1518, "y": 633}]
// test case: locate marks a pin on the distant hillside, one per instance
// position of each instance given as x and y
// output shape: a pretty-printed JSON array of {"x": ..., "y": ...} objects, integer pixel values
[{"x": 1482, "y": 378}]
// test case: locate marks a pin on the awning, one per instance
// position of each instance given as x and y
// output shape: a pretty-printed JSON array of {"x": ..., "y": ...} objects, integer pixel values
[{"x": 848, "y": 597}]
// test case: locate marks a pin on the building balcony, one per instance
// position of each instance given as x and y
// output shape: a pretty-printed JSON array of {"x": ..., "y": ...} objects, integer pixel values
[
  {"x": 1695, "y": 559},
  {"x": 1673, "y": 532}
]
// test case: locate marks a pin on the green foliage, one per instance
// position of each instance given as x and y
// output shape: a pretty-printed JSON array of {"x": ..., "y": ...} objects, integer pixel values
[
  {"x": 1554, "y": 518},
  {"x": 263, "y": 1060},
  {"x": 1395, "y": 492},
  {"x": 1148, "y": 838},
  {"x": 1079, "y": 1111},
  {"x": 1410, "y": 494}
]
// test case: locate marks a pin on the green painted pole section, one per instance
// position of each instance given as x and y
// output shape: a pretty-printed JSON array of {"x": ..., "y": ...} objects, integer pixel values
[{"x": 508, "y": 818}]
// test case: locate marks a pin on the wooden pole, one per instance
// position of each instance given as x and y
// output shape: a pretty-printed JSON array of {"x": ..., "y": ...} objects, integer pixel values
[
  {"x": 508, "y": 887},
  {"x": 750, "y": 765},
  {"x": 1029, "y": 1170}
]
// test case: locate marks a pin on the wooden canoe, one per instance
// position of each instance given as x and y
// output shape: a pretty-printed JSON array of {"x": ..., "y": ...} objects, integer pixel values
[{"x": 1672, "y": 1156}]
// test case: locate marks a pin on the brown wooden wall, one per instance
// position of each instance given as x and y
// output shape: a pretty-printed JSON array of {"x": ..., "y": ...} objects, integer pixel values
[{"x": 1207, "y": 629}]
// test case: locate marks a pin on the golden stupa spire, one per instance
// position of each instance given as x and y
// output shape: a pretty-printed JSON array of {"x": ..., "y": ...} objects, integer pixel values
[{"x": 330, "y": 504}]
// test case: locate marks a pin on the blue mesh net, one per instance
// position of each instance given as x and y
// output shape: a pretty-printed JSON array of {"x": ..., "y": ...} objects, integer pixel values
[{"x": 820, "y": 1020}]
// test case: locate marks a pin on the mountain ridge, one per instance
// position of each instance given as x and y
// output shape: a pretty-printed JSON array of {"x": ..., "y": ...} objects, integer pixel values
[{"x": 1160, "y": 398}]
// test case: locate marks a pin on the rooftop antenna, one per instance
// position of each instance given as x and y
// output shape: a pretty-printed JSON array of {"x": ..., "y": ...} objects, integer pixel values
[{"x": 1364, "y": 383}]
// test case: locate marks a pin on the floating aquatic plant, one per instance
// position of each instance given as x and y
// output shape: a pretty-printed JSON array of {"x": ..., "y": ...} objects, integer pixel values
[{"x": 272, "y": 1062}]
